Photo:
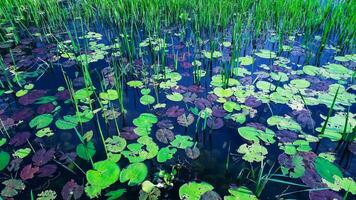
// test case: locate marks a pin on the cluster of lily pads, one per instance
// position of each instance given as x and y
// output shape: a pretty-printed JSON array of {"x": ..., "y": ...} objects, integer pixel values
[{"x": 77, "y": 128}]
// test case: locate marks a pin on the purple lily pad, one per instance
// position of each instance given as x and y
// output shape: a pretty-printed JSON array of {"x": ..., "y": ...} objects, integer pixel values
[
  {"x": 23, "y": 114},
  {"x": 218, "y": 112},
  {"x": 215, "y": 123},
  {"x": 247, "y": 80},
  {"x": 312, "y": 179},
  {"x": 20, "y": 139},
  {"x": 166, "y": 123},
  {"x": 252, "y": 102},
  {"x": 286, "y": 136},
  {"x": 47, "y": 170},
  {"x": 285, "y": 161},
  {"x": 187, "y": 65},
  {"x": 28, "y": 172},
  {"x": 195, "y": 88},
  {"x": 202, "y": 103},
  {"x": 129, "y": 133},
  {"x": 62, "y": 95},
  {"x": 303, "y": 117},
  {"x": 42, "y": 157},
  {"x": 31, "y": 97},
  {"x": 164, "y": 135},
  {"x": 257, "y": 125},
  {"x": 72, "y": 190},
  {"x": 174, "y": 111},
  {"x": 14, "y": 165},
  {"x": 324, "y": 195},
  {"x": 189, "y": 97},
  {"x": 45, "y": 108}
]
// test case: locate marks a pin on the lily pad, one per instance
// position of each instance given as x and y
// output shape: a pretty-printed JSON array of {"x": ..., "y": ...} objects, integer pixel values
[
  {"x": 194, "y": 190},
  {"x": 135, "y": 173}
]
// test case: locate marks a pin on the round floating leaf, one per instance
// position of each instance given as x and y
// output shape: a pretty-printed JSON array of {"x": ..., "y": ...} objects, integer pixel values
[
  {"x": 147, "y": 99},
  {"x": 135, "y": 173},
  {"x": 109, "y": 95},
  {"x": 220, "y": 92},
  {"x": 115, "y": 144},
  {"x": 311, "y": 70},
  {"x": 247, "y": 60},
  {"x": 135, "y": 83},
  {"x": 265, "y": 86},
  {"x": 300, "y": 83},
  {"x": 41, "y": 121},
  {"x": 103, "y": 174},
  {"x": 280, "y": 76},
  {"x": 165, "y": 154},
  {"x": 327, "y": 169},
  {"x": 252, "y": 153},
  {"x": 182, "y": 142},
  {"x": 175, "y": 96},
  {"x": 264, "y": 53},
  {"x": 86, "y": 151},
  {"x": 185, "y": 120},
  {"x": 68, "y": 122},
  {"x": 82, "y": 94},
  {"x": 230, "y": 106},
  {"x": 22, "y": 153},
  {"x": 21, "y": 93},
  {"x": 5, "y": 159},
  {"x": 194, "y": 190},
  {"x": 240, "y": 193}
]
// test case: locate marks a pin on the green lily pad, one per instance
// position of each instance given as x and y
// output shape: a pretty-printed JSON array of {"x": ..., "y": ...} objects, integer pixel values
[
  {"x": 175, "y": 96},
  {"x": 252, "y": 153},
  {"x": 41, "y": 121},
  {"x": 135, "y": 83},
  {"x": 283, "y": 123},
  {"x": 327, "y": 169},
  {"x": 194, "y": 190},
  {"x": 86, "y": 151},
  {"x": 247, "y": 60},
  {"x": 300, "y": 83},
  {"x": 240, "y": 193},
  {"x": 165, "y": 154},
  {"x": 220, "y": 92},
  {"x": 5, "y": 159},
  {"x": 22, "y": 153},
  {"x": 135, "y": 173},
  {"x": 147, "y": 100},
  {"x": 267, "y": 54},
  {"x": 68, "y": 122},
  {"x": 103, "y": 174},
  {"x": 182, "y": 142},
  {"x": 254, "y": 135}
]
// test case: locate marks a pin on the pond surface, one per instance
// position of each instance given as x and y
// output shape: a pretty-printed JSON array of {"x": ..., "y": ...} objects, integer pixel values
[{"x": 176, "y": 117}]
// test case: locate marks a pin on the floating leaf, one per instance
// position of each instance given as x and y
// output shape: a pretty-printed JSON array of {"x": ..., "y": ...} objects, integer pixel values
[
  {"x": 182, "y": 142},
  {"x": 165, "y": 154},
  {"x": 103, "y": 174},
  {"x": 41, "y": 121},
  {"x": 185, "y": 120},
  {"x": 86, "y": 151},
  {"x": 194, "y": 190},
  {"x": 327, "y": 169},
  {"x": 147, "y": 99},
  {"x": 135, "y": 173},
  {"x": 252, "y": 153},
  {"x": 240, "y": 193},
  {"x": 5, "y": 159},
  {"x": 22, "y": 153},
  {"x": 175, "y": 96}
]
